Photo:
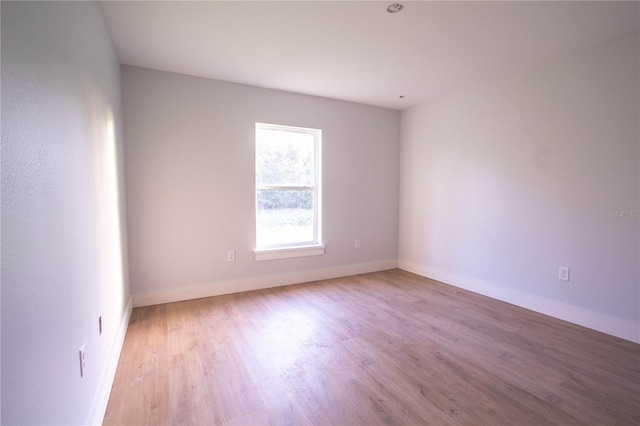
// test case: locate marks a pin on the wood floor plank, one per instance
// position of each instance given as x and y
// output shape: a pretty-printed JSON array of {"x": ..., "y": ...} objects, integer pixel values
[{"x": 382, "y": 348}]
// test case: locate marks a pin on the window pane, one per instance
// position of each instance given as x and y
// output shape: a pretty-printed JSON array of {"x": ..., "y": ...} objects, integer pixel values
[
  {"x": 284, "y": 216},
  {"x": 284, "y": 158}
]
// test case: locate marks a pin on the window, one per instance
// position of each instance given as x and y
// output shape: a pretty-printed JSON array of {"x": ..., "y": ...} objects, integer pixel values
[{"x": 288, "y": 191}]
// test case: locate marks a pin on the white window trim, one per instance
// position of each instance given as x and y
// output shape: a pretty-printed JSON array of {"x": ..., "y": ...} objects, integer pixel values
[
  {"x": 298, "y": 249},
  {"x": 287, "y": 252}
]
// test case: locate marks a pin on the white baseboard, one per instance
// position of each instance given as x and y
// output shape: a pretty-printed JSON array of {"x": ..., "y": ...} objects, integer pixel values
[
  {"x": 99, "y": 406},
  {"x": 614, "y": 326},
  {"x": 257, "y": 283}
]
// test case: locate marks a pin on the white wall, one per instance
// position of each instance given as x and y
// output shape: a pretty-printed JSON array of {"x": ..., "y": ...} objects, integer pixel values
[
  {"x": 62, "y": 262},
  {"x": 189, "y": 162},
  {"x": 503, "y": 183}
]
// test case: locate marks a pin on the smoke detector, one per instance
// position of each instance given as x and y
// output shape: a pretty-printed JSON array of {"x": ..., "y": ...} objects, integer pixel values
[{"x": 394, "y": 8}]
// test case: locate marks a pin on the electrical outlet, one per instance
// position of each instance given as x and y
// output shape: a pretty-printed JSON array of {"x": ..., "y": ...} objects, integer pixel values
[
  {"x": 563, "y": 273},
  {"x": 231, "y": 256},
  {"x": 83, "y": 361},
  {"x": 357, "y": 244}
]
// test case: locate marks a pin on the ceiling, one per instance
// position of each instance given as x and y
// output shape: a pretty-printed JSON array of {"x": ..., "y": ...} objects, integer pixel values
[{"x": 357, "y": 51}]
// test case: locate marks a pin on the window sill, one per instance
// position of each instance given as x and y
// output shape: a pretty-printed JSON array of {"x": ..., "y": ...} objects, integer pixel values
[{"x": 287, "y": 252}]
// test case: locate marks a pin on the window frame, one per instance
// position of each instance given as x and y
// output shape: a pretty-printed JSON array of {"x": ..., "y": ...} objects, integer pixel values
[{"x": 297, "y": 248}]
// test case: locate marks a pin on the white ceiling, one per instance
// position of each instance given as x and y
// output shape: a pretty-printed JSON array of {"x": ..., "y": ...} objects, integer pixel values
[{"x": 356, "y": 51}]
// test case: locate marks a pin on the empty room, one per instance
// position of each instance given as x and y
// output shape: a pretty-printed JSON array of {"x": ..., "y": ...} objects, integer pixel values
[{"x": 320, "y": 212}]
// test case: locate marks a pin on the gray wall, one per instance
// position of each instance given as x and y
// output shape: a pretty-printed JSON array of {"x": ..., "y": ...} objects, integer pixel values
[
  {"x": 190, "y": 182},
  {"x": 62, "y": 259},
  {"x": 503, "y": 183}
]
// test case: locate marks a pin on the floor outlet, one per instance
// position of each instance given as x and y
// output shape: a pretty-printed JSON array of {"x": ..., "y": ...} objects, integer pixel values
[{"x": 83, "y": 361}]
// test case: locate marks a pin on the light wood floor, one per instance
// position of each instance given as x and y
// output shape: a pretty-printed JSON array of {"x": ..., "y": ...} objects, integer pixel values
[{"x": 382, "y": 348}]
